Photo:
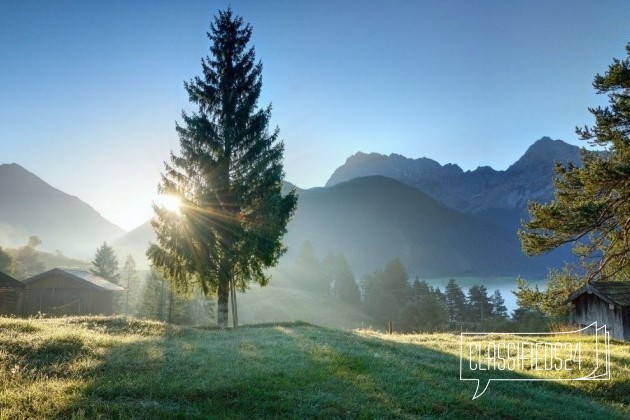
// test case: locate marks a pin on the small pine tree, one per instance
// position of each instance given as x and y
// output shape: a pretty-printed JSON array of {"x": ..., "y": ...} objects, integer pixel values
[
  {"x": 307, "y": 271},
  {"x": 342, "y": 282},
  {"x": 433, "y": 309},
  {"x": 106, "y": 263},
  {"x": 152, "y": 305},
  {"x": 499, "y": 310},
  {"x": 388, "y": 297},
  {"x": 159, "y": 302},
  {"x": 396, "y": 280},
  {"x": 455, "y": 302},
  {"x": 431, "y": 312},
  {"x": 479, "y": 305},
  {"x": 129, "y": 272},
  {"x": 379, "y": 302},
  {"x": 419, "y": 289},
  {"x": 529, "y": 320}
]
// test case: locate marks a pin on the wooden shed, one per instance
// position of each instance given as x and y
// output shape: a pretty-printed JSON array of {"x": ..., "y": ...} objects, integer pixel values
[
  {"x": 10, "y": 294},
  {"x": 68, "y": 292},
  {"x": 605, "y": 302}
]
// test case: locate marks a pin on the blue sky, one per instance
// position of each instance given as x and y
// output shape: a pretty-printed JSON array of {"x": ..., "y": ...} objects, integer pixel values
[{"x": 90, "y": 91}]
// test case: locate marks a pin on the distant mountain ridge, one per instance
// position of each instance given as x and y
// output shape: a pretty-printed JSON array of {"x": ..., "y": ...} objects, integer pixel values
[
  {"x": 30, "y": 206},
  {"x": 497, "y": 196}
]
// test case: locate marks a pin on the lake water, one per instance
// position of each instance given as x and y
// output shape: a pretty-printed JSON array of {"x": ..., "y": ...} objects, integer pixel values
[{"x": 505, "y": 285}]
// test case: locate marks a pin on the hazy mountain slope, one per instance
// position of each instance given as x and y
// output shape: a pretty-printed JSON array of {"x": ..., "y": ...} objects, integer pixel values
[
  {"x": 136, "y": 243},
  {"x": 30, "y": 206},
  {"x": 498, "y": 197},
  {"x": 375, "y": 219}
]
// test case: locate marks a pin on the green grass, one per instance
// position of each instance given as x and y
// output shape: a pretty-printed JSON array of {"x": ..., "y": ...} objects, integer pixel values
[{"x": 100, "y": 367}]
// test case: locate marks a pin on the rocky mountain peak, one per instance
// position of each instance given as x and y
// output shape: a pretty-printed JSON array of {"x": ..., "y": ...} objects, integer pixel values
[
  {"x": 393, "y": 166},
  {"x": 546, "y": 152}
]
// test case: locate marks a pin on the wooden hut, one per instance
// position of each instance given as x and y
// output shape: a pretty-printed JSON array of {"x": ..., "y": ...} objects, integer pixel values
[
  {"x": 605, "y": 302},
  {"x": 68, "y": 292},
  {"x": 10, "y": 294}
]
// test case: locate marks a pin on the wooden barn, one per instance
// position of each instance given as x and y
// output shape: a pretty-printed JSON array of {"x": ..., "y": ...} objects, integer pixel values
[
  {"x": 605, "y": 302},
  {"x": 10, "y": 294},
  {"x": 68, "y": 292}
]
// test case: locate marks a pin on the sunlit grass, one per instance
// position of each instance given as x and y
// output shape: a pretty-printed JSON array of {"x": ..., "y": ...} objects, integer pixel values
[{"x": 91, "y": 367}]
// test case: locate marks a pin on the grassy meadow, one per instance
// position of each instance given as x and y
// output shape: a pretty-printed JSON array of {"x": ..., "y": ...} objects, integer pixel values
[{"x": 114, "y": 367}]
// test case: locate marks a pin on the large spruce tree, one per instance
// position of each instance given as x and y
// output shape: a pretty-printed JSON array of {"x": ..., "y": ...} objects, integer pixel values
[
  {"x": 228, "y": 178},
  {"x": 591, "y": 207}
]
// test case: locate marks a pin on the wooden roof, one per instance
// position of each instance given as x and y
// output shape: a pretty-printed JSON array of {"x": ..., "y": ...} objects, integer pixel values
[
  {"x": 84, "y": 277},
  {"x": 614, "y": 292},
  {"x": 8, "y": 281}
]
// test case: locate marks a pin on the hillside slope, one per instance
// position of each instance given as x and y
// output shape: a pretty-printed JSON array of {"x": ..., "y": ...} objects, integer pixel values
[
  {"x": 30, "y": 206},
  {"x": 135, "y": 243},
  {"x": 375, "y": 219}
]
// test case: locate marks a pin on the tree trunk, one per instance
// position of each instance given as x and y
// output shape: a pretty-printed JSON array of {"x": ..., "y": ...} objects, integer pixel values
[
  {"x": 235, "y": 309},
  {"x": 161, "y": 306},
  {"x": 233, "y": 301},
  {"x": 171, "y": 300},
  {"x": 222, "y": 301}
]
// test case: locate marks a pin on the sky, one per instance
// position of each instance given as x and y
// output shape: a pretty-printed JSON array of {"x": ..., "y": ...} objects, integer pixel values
[{"x": 90, "y": 91}]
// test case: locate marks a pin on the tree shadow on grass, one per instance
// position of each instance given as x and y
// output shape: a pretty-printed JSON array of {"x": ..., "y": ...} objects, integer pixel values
[
  {"x": 294, "y": 370},
  {"x": 415, "y": 380}
]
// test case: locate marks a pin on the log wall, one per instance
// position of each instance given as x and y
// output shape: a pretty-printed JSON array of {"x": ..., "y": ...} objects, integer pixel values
[{"x": 590, "y": 308}]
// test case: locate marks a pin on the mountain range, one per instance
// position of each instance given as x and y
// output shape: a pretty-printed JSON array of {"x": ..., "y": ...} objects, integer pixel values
[
  {"x": 438, "y": 219},
  {"x": 497, "y": 196}
]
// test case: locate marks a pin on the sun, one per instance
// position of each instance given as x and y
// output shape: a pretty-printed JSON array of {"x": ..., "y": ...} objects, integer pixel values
[{"x": 169, "y": 202}]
